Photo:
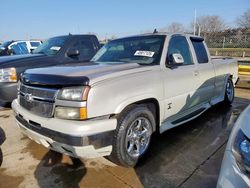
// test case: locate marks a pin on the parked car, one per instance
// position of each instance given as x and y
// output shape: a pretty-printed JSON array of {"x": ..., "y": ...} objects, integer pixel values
[
  {"x": 134, "y": 87},
  {"x": 69, "y": 49},
  {"x": 18, "y": 47},
  {"x": 2, "y": 139},
  {"x": 235, "y": 167}
]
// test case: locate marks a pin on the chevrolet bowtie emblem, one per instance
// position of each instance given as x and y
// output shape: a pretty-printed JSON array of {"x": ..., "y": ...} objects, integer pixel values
[{"x": 28, "y": 97}]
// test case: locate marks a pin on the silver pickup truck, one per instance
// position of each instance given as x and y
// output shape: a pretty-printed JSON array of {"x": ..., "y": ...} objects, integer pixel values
[{"x": 132, "y": 88}]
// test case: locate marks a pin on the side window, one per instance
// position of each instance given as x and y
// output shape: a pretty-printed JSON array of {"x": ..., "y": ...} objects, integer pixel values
[
  {"x": 179, "y": 44},
  {"x": 35, "y": 44},
  {"x": 200, "y": 51},
  {"x": 20, "y": 48},
  {"x": 86, "y": 48}
]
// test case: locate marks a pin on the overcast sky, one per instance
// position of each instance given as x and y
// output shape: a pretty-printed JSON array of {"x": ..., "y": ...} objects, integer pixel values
[{"x": 46, "y": 18}]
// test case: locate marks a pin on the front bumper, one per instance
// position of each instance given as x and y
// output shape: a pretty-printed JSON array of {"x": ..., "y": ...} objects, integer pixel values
[
  {"x": 84, "y": 139},
  {"x": 8, "y": 92},
  {"x": 230, "y": 174}
]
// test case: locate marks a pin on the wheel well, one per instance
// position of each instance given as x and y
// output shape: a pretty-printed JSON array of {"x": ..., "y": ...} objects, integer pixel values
[{"x": 152, "y": 105}]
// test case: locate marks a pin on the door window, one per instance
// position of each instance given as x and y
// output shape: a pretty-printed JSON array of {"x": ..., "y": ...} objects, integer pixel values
[
  {"x": 35, "y": 44},
  {"x": 86, "y": 49},
  {"x": 179, "y": 44},
  {"x": 20, "y": 48}
]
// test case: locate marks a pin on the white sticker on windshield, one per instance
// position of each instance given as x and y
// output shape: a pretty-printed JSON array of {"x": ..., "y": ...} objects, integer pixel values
[
  {"x": 56, "y": 48},
  {"x": 144, "y": 53}
]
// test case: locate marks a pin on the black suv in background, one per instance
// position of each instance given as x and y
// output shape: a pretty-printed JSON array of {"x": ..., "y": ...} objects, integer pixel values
[{"x": 61, "y": 50}]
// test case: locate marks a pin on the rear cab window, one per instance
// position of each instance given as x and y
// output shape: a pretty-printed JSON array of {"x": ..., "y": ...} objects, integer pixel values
[{"x": 200, "y": 49}]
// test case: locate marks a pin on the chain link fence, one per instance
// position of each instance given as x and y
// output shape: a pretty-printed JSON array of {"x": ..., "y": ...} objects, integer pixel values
[{"x": 235, "y": 43}]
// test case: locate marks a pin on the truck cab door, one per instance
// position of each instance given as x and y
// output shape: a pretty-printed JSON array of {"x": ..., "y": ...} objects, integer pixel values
[{"x": 180, "y": 80}]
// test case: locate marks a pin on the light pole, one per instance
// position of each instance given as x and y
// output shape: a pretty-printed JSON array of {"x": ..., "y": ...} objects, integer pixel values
[
  {"x": 199, "y": 29},
  {"x": 194, "y": 21}
]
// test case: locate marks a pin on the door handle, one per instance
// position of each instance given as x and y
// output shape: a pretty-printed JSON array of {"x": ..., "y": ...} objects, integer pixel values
[{"x": 196, "y": 73}]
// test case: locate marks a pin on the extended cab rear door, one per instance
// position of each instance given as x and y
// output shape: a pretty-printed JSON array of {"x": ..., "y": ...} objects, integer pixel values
[{"x": 205, "y": 72}]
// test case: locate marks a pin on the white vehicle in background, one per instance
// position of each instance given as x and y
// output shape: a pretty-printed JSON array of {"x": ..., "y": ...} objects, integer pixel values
[
  {"x": 29, "y": 45},
  {"x": 18, "y": 47},
  {"x": 235, "y": 169}
]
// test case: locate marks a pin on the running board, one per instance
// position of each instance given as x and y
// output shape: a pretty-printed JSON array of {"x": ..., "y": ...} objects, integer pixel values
[
  {"x": 169, "y": 124},
  {"x": 189, "y": 116}
]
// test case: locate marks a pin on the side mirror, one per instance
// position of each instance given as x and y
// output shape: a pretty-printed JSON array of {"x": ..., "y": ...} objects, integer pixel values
[
  {"x": 72, "y": 52},
  {"x": 174, "y": 60},
  {"x": 10, "y": 51}
]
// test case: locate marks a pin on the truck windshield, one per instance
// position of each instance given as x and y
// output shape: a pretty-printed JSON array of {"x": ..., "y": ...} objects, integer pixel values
[
  {"x": 51, "y": 47},
  {"x": 141, "y": 50}
]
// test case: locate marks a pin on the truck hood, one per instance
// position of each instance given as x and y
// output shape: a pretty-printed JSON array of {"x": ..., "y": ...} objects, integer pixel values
[
  {"x": 16, "y": 60},
  {"x": 89, "y": 74}
]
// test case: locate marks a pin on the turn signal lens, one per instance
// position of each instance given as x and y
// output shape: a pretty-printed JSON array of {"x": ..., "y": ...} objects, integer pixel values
[{"x": 71, "y": 113}]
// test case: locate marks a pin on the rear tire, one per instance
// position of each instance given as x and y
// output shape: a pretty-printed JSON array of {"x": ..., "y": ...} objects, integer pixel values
[
  {"x": 132, "y": 136},
  {"x": 229, "y": 93}
]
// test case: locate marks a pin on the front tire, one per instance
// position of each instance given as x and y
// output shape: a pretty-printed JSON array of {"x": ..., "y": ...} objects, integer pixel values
[
  {"x": 132, "y": 136},
  {"x": 229, "y": 93}
]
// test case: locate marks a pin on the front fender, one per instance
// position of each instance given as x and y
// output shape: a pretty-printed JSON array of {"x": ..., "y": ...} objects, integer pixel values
[{"x": 132, "y": 100}]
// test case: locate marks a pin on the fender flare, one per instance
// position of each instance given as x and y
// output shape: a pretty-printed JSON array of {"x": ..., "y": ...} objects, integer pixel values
[{"x": 132, "y": 100}]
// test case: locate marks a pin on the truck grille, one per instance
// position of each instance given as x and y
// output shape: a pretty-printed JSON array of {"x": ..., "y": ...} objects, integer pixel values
[{"x": 39, "y": 101}]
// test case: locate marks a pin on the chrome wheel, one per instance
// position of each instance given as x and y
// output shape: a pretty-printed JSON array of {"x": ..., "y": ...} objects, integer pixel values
[
  {"x": 230, "y": 91},
  {"x": 138, "y": 137}
]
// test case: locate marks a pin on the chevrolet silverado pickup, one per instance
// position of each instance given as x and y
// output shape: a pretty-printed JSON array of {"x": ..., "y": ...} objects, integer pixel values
[
  {"x": 69, "y": 49},
  {"x": 133, "y": 87}
]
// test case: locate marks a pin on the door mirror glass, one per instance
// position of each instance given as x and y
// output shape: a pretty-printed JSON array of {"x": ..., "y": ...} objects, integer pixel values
[
  {"x": 176, "y": 58},
  {"x": 72, "y": 52}
]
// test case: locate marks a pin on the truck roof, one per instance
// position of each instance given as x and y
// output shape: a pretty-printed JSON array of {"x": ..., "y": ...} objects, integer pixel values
[
  {"x": 165, "y": 34},
  {"x": 76, "y": 35}
]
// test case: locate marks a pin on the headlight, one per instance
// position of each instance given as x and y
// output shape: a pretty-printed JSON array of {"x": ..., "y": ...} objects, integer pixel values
[
  {"x": 8, "y": 75},
  {"x": 74, "y": 93},
  {"x": 71, "y": 113},
  {"x": 241, "y": 151}
]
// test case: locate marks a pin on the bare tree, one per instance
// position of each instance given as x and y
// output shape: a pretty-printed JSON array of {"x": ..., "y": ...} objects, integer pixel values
[
  {"x": 208, "y": 24},
  {"x": 174, "y": 27},
  {"x": 244, "y": 20}
]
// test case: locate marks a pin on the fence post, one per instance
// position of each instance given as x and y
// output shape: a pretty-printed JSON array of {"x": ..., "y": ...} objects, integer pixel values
[{"x": 224, "y": 40}]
